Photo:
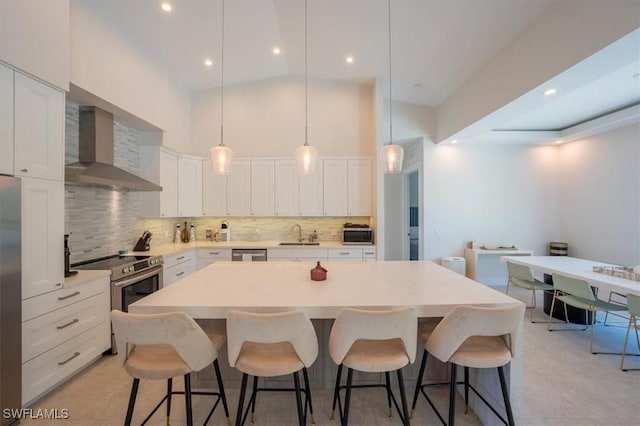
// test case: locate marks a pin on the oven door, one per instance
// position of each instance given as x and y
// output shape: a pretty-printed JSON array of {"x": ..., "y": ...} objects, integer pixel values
[{"x": 128, "y": 290}]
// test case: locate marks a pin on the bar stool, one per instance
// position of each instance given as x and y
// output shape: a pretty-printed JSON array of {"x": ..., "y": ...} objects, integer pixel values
[
  {"x": 269, "y": 345},
  {"x": 474, "y": 337},
  {"x": 372, "y": 342},
  {"x": 164, "y": 346}
]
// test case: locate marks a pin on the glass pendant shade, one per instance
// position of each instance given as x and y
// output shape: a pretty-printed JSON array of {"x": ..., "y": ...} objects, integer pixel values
[
  {"x": 306, "y": 158},
  {"x": 391, "y": 157},
  {"x": 221, "y": 159}
]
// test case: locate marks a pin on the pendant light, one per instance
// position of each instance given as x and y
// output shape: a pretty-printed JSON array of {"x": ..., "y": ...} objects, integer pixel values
[
  {"x": 391, "y": 155},
  {"x": 306, "y": 155},
  {"x": 221, "y": 155}
]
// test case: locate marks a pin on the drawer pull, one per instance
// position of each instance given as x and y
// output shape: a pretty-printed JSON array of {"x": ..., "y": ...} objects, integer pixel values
[
  {"x": 69, "y": 296},
  {"x": 179, "y": 273},
  {"x": 344, "y": 253},
  {"x": 214, "y": 252},
  {"x": 75, "y": 355},
  {"x": 24, "y": 170},
  {"x": 60, "y": 327},
  {"x": 180, "y": 258}
]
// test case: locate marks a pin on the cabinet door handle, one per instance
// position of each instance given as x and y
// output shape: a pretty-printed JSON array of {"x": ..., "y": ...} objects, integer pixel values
[
  {"x": 179, "y": 273},
  {"x": 69, "y": 296},
  {"x": 69, "y": 359},
  {"x": 180, "y": 258},
  {"x": 60, "y": 327},
  {"x": 24, "y": 170},
  {"x": 214, "y": 252},
  {"x": 344, "y": 253},
  {"x": 58, "y": 284}
]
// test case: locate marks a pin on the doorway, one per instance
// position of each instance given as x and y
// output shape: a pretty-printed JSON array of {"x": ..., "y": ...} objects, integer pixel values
[{"x": 412, "y": 212}]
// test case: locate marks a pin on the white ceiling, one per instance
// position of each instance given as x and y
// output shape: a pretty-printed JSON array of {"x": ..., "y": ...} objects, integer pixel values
[{"x": 437, "y": 45}]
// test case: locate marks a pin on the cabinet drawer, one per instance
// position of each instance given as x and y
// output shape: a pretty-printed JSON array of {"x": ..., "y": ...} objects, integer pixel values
[
  {"x": 54, "y": 366},
  {"x": 369, "y": 253},
  {"x": 219, "y": 254},
  {"x": 284, "y": 253},
  {"x": 177, "y": 258},
  {"x": 177, "y": 272},
  {"x": 47, "y": 331},
  {"x": 48, "y": 302},
  {"x": 346, "y": 253}
]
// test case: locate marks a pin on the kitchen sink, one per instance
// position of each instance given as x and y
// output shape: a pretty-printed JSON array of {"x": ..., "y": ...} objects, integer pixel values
[{"x": 295, "y": 243}]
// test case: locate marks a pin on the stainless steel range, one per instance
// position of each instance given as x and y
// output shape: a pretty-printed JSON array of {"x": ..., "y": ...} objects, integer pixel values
[{"x": 132, "y": 278}]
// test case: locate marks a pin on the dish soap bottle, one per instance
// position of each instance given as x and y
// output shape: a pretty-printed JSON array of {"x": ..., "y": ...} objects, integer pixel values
[
  {"x": 184, "y": 235},
  {"x": 177, "y": 237},
  {"x": 192, "y": 232}
]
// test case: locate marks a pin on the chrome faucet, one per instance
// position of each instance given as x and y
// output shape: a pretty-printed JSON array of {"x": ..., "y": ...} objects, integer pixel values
[{"x": 299, "y": 232}]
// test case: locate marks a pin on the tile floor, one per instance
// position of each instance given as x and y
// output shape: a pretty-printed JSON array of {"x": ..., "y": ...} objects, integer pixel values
[{"x": 563, "y": 385}]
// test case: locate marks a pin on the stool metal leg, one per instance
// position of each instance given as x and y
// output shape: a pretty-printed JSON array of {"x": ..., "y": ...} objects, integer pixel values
[
  {"x": 254, "y": 396},
  {"x": 388, "y": 386},
  {"x": 169, "y": 386},
  {"x": 347, "y": 397},
  {"x": 403, "y": 398},
  {"x": 505, "y": 395},
  {"x": 466, "y": 390},
  {"x": 425, "y": 354},
  {"x": 243, "y": 388},
  {"x": 223, "y": 396},
  {"x": 132, "y": 401},
  {"x": 308, "y": 396},
  {"x": 336, "y": 391},
  {"x": 296, "y": 382},
  {"x": 452, "y": 395},
  {"x": 187, "y": 398}
]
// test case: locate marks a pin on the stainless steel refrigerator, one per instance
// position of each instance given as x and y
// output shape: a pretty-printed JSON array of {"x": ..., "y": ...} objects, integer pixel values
[{"x": 10, "y": 299}]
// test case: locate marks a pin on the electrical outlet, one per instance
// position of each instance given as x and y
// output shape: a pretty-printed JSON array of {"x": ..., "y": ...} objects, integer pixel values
[{"x": 334, "y": 232}]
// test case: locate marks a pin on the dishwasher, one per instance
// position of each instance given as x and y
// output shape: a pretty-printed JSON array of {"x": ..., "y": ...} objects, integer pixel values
[{"x": 249, "y": 255}]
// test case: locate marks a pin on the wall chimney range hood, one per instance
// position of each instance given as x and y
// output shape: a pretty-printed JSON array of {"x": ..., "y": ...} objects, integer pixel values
[{"x": 95, "y": 166}]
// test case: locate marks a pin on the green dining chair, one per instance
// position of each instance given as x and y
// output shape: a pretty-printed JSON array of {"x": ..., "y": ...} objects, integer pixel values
[
  {"x": 521, "y": 276},
  {"x": 577, "y": 293},
  {"x": 633, "y": 301}
]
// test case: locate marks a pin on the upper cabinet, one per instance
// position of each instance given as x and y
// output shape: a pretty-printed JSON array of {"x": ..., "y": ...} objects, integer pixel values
[
  {"x": 214, "y": 191},
  {"x": 239, "y": 189},
  {"x": 262, "y": 188},
  {"x": 189, "y": 186},
  {"x": 347, "y": 187},
  {"x": 159, "y": 165},
  {"x": 31, "y": 127},
  {"x": 6, "y": 120},
  {"x": 295, "y": 194}
]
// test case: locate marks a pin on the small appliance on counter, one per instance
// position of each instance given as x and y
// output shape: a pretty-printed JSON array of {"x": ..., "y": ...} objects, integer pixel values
[
  {"x": 356, "y": 234},
  {"x": 225, "y": 232},
  {"x": 67, "y": 253},
  {"x": 143, "y": 242}
]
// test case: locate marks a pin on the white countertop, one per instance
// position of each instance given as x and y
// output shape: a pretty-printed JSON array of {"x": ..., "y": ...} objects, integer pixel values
[
  {"x": 276, "y": 286},
  {"x": 171, "y": 248},
  {"x": 84, "y": 276}
]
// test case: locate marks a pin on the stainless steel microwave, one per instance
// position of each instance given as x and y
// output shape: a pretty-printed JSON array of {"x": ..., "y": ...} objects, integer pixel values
[{"x": 359, "y": 235}]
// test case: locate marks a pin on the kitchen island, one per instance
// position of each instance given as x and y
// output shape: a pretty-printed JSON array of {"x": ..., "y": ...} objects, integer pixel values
[{"x": 284, "y": 286}]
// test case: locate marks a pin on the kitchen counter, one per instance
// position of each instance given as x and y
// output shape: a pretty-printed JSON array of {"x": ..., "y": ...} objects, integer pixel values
[
  {"x": 84, "y": 276},
  {"x": 173, "y": 248}
]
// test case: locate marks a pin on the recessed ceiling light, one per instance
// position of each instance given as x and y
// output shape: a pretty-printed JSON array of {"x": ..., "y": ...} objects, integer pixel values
[
  {"x": 276, "y": 50},
  {"x": 166, "y": 6},
  {"x": 349, "y": 59},
  {"x": 559, "y": 141},
  {"x": 455, "y": 141},
  {"x": 208, "y": 62},
  {"x": 550, "y": 92}
]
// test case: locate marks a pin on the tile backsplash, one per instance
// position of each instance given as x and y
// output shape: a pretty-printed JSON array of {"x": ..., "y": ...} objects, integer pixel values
[{"x": 103, "y": 221}]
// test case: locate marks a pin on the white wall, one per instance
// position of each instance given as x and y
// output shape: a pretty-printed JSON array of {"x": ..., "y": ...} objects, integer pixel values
[
  {"x": 34, "y": 37},
  {"x": 600, "y": 196},
  {"x": 493, "y": 194},
  {"x": 266, "y": 118}
]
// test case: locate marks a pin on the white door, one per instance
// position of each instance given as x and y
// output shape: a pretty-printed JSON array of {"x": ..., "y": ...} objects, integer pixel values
[
  {"x": 359, "y": 188},
  {"x": 239, "y": 189},
  {"x": 286, "y": 188},
  {"x": 214, "y": 191},
  {"x": 262, "y": 188},
  {"x": 189, "y": 187},
  {"x": 310, "y": 192},
  {"x": 335, "y": 187},
  {"x": 169, "y": 183}
]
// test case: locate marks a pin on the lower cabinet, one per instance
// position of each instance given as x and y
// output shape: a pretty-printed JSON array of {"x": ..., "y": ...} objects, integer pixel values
[
  {"x": 297, "y": 255},
  {"x": 62, "y": 331},
  {"x": 208, "y": 256},
  {"x": 178, "y": 266},
  {"x": 345, "y": 254}
]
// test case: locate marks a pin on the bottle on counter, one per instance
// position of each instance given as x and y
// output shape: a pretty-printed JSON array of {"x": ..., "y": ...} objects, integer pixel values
[
  {"x": 177, "y": 236},
  {"x": 184, "y": 235},
  {"x": 192, "y": 232}
]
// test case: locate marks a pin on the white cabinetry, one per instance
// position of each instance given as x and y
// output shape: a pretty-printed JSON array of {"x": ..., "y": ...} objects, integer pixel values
[
  {"x": 345, "y": 254},
  {"x": 239, "y": 189},
  {"x": 178, "y": 266},
  {"x": 347, "y": 187},
  {"x": 297, "y": 195},
  {"x": 6, "y": 120},
  {"x": 207, "y": 256},
  {"x": 160, "y": 166},
  {"x": 42, "y": 236},
  {"x": 262, "y": 188},
  {"x": 38, "y": 129},
  {"x": 335, "y": 187},
  {"x": 214, "y": 191},
  {"x": 62, "y": 332},
  {"x": 369, "y": 254},
  {"x": 189, "y": 186},
  {"x": 298, "y": 254}
]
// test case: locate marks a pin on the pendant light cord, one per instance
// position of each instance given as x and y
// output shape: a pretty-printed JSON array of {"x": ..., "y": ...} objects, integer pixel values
[
  {"x": 390, "y": 83},
  {"x": 222, "y": 81},
  {"x": 306, "y": 143}
]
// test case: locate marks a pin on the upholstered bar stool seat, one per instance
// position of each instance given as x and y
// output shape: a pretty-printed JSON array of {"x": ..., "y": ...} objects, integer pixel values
[
  {"x": 376, "y": 356},
  {"x": 164, "y": 346},
  {"x": 268, "y": 359}
]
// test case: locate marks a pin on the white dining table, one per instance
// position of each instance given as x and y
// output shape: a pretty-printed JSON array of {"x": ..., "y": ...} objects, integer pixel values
[{"x": 578, "y": 268}]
